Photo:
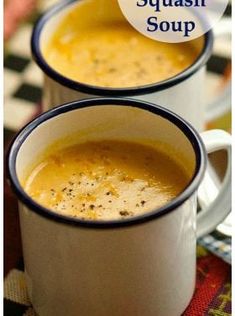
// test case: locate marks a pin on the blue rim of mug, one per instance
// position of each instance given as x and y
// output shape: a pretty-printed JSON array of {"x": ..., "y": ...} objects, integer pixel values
[
  {"x": 185, "y": 127},
  {"x": 104, "y": 91}
]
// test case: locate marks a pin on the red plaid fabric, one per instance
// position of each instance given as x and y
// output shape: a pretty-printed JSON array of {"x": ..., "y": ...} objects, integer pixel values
[{"x": 213, "y": 288}]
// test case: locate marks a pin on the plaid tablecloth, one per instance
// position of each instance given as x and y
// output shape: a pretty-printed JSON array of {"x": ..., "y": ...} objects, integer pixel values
[
  {"x": 212, "y": 294},
  {"x": 22, "y": 95}
]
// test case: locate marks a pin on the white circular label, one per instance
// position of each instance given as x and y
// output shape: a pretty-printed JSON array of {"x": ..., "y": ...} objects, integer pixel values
[{"x": 173, "y": 21}]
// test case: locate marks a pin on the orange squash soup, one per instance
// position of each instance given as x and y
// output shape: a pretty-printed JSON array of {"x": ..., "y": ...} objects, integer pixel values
[
  {"x": 106, "y": 180},
  {"x": 111, "y": 53}
]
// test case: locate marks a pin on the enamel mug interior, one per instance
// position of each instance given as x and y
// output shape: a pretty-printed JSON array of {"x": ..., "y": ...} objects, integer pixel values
[
  {"x": 107, "y": 11},
  {"x": 105, "y": 122},
  {"x": 144, "y": 265}
]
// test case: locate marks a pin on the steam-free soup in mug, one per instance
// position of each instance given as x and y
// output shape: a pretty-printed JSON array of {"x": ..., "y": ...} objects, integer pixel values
[
  {"x": 106, "y": 180},
  {"x": 112, "y": 53}
]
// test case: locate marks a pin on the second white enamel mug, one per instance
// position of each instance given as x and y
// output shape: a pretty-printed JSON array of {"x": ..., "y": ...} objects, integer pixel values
[
  {"x": 140, "y": 266},
  {"x": 184, "y": 93}
]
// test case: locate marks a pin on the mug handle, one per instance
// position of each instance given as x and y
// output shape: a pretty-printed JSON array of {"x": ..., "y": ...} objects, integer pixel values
[
  {"x": 224, "y": 27},
  {"x": 209, "y": 218},
  {"x": 223, "y": 100}
]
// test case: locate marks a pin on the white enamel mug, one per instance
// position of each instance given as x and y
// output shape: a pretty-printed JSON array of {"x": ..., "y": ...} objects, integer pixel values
[
  {"x": 140, "y": 266},
  {"x": 184, "y": 93}
]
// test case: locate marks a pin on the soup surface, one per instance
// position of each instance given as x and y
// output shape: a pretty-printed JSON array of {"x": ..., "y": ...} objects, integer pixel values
[
  {"x": 106, "y": 180},
  {"x": 112, "y": 54}
]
